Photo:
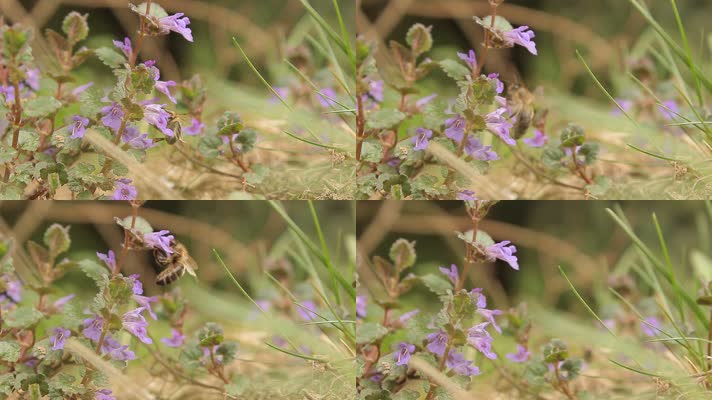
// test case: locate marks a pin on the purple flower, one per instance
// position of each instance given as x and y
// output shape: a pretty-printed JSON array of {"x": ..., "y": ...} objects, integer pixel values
[
  {"x": 470, "y": 58},
  {"x": 460, "y": 365},
  {"x": 420, "y": 104},
  {"x": 626, "y": 105},
  {"x": 504, "y": 252},
  {"x": 522, "y": 36},
  {"x": 81, "y": 89},
  {"x": 489, "y": 316},
  {"x": 164, "y": 87},
  {"x": 161, "y": 86},
  {"x": 407, "y": 316},
  {"x": 104, "y": 394},
  {"x": 136, "y": 139},
  {"x": 466, "y": 195},
  {"x": 113, "y": 115},
  {"x": 608, "y": 323},
  {"x": 176, "y": 340},
  {"x": 116, "y": 350},
  {"x": 136, "y": 324},
  {"x": 375, "y": 90},
  {"x": 475, "y": 149},
  {"x": 422, "y": 138},
  {"x": 124, "y": 190},
  {"x": 437, "y": 342},
  {"x": 499, "y": 86},
  {"x": 452, "y": 273},
  {"x": 481, "y": 299},
  {"x": 145, "y": 302},
  {"x": 522, "y": 355},
  {"x": 539, "y": 139},
  {"x": 159, "y": 240},
  {"x": 13, "y": 290},
  {"x": 650, "y": 326},
  {"x": 361, "y": 306},
  {"x": 58, "y": 338},
  {"x": 402, "y": 356},
  {"x": 92, "y": 328},
  {"x": 455, "y": 128},
  {"x": 156, "y": 115},
  {"x": 497, "y": 124},
  {"x": 480, "y": 339},
  {"x": 306, "y": 310},
  {"x": 282, "y": 92},
  {"x": 109, "y": 259},
  {"x": 126, "y": 47},
  {"x": 326, "y": 97},
  {"x": 669, "y": 110},
  {"x": 62, "y": 301},
  {"x": 79, "y": 127},
  {"x": 196, "y": 128},
  {"x": 178, "y": 24},
  {"x": 33, "y": 79}
]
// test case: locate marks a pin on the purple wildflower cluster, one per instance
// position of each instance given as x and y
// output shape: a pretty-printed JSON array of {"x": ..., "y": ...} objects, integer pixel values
[{"x": 440, "y": 344}]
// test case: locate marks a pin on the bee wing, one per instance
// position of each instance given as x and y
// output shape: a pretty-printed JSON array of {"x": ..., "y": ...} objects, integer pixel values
[{"x": 190, "y": 265}]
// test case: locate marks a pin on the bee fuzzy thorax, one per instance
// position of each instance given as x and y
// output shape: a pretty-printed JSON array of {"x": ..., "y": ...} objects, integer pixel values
[{"x": 174, "y": 264}]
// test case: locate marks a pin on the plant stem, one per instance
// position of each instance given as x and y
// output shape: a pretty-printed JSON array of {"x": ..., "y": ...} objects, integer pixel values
[
  {"x": 125, "y": 248},
  {"x": 360, "y": 121},
  {"x": 709, "y": 344},
  {"x": 579, "y": 170},
  {"x": 483, "y": 58},
  {"x": 104, "y": 331}
]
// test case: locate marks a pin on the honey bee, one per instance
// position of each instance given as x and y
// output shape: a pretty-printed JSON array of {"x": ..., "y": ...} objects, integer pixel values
[
  {"x": 174, "y": 265},
  {"x": 521, "y": 103}
]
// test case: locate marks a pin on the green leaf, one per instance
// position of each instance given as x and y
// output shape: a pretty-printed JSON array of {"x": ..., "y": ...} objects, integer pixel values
[
  {"x": 555, "y": 351},
  {"x": 436, "y": 283},
  {"x": 209, "y": 146},
  {"x": 570, "y": 369},
  {"x": 385, "y": 119},
  {"x": 370, "y": 332},
  {"x": 29, "y": 140},
  {"x": 90, "y": 102},
  {"x": 41, "y": 106},
  {"x": 552, "y": 156},
  {"x": 371, "y": 152},
  {"x": 237, "y": 386},
  {"x": 573, "y": 136},
  {"x": 140, "y": 225},
  {"x": 56, "y": 238},
  {"x": 590, "y": 152},
  {"x": 95, "y": 271},
  {"x": 402, "y": 254},
  {"x": 22, "y": 318},
  {"x": 455, "y": 70},
  {"x": 601, "y": 185},
  {"x": 9, "y": 351},
  {"x": 110, "y": 57},
  {"x": 258, "y": 174},
  {"x": 75, "y": 26},
  {"x": 420, "y": 39},
  {"x": 414, "y": 389}
]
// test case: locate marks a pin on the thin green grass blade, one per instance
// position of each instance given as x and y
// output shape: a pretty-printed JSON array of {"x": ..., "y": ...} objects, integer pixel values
[
  {"x": 259, "y": 75},
  {"x": 232, "y": 277},
  {"x": 603, "y": 88},
  {"x": 590, "y": 310}
]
